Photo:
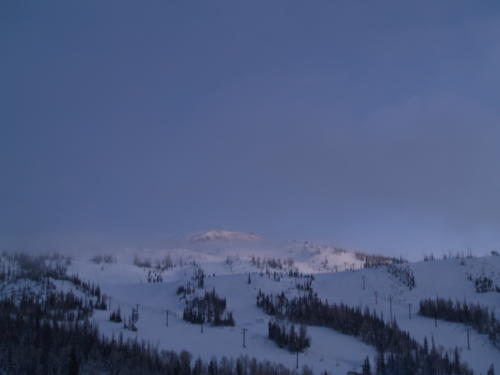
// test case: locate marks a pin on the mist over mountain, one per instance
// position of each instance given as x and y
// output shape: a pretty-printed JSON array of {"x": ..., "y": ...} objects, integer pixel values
[
  {"x": 280, "y": 187},
  {"x": 372, "y": 127}
]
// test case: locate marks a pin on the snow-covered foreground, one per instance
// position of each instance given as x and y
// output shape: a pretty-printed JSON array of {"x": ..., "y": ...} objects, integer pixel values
[{"x": 228, "y": 264}]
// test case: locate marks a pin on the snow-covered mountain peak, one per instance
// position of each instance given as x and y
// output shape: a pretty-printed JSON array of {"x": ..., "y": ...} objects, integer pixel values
[{"x": 223, "y": 235}]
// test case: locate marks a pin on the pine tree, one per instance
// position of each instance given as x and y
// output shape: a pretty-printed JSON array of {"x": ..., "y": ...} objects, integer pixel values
[
  {"x": 366, "y": 367},
  {"x": 304, "y": 340},
  {"x": 73, "y": 365},
  {"x": 381, "y": 363}
]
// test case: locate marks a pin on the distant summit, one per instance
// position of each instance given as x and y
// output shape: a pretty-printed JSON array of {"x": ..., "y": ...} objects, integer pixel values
[{"x": 223, "y": 235}]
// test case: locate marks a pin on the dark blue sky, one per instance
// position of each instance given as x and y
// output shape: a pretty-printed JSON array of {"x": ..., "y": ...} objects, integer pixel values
[{"x": 367, "y": 124}]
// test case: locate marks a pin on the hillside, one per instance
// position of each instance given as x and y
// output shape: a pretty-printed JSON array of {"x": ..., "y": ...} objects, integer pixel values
[{"x": 237, "y": 268}]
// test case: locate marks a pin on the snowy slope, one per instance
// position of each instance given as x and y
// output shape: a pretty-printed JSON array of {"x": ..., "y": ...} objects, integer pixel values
[
  {"x": 229, "y": 260},
  {"x": 443, "y": 278},
  {"x": 237, "y": 248}
]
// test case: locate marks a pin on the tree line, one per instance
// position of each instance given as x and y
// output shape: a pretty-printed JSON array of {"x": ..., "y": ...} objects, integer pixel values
[
  {"x": 374, "y": 260},
  {"x": 478, "y": 317},
  {"x": 397, "y": 352},
  {"x": 20, "y": 265},
  {"x": 33, "y": 343}
]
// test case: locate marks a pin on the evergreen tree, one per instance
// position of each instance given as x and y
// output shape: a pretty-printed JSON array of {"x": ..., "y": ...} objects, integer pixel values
[
  {"x": 381, "y": 363},
  {"x": 73, "y": 365},
  {"x": 366, "y": 367}
]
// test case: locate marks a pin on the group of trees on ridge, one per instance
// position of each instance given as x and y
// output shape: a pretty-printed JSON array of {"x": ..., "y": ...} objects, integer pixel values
[
  {"x": 273, "y": 263},
  {"x": 374, "y": 260},
  {"x": 15, "y": 266}
]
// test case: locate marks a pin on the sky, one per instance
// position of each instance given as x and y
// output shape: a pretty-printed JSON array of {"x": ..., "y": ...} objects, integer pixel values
[{"x": 368, "y": 124}]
